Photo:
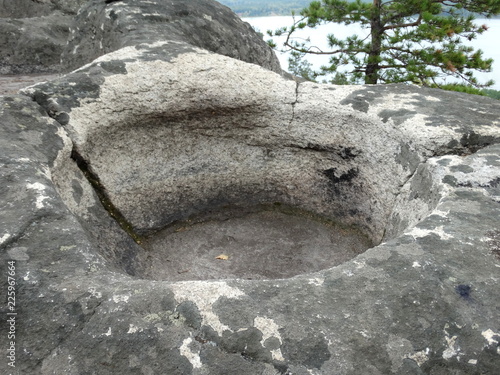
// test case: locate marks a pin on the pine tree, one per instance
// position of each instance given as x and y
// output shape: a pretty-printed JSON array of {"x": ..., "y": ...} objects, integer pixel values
[{"x": 414, "y": 41}]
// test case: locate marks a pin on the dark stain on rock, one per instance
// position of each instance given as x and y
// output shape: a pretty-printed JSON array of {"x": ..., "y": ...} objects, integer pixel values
[
  {"x": 247, "y": 343},
  {"x": 474, "y": 142},
  {"x": 113, "y": 15},
  {"x": 464, "y": 291},
  {"x": 190, "y": 312},
  {"x": 115, "y": 66},
  {"x": 494, "y": 183},
  {"x": 335, "y": 178},
  {"x": 345, "y": 153},
  {"x": 77, "y": 190},
  {"x": 360, "y": 100},
  {"x": 398, "y": 116},
  {"x": 462, "y": 168},
  {"x": 408, "y": 157},
  {"x": 182, "y": 13},
  {"x": 229, "y": 311},
  {"x": 450, "y": 180},
  {"x": 358, "y": 103},
  {"x": 311, "y": 351}
]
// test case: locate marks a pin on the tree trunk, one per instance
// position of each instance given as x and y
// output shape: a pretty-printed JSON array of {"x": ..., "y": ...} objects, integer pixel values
[{"x": 372, "y": 67}]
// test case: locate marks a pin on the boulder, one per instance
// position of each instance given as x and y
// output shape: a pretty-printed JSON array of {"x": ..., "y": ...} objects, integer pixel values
[
  {"x": 33, "y": 45},
  {"x": 33, "y": 34},
  {"x": 54, "y": 36},
  {"x": 168, "y": 136},
  {"x": 37, "y": 8},
  {"x": 102, "y": 27}
]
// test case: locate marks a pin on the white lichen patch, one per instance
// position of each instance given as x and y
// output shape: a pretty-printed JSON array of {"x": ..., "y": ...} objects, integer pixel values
[
  {"x": 204, "y": 295},
  {"x": 133, "y": 329},
  {"x": 491, "y": 337},
  {"x": 94, "y": 293},
  {"x": 66, "y": 248},
  {"x": 269, "y": 329},
  {"x": 4, "y": 238},
  {"x": 317, "y": 281},
  {"x": 420, "y": 357},
  {"x": 420, "y": 233},
  {"x": 452, "y": 350},
  {"x": 193, "y": 357},
  {"x": 45, "y": 172},
  {"x": 121, "y": 298},
  {"x": 41, "y": 197},
  {"x": 439, "y": 212}
]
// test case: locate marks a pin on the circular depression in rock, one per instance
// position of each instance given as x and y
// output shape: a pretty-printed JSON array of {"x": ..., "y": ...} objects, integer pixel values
[
  {"x": 270, "y": 243},
  {"x": 214, "y": 205},
  {"x": 173, "y": 149}
]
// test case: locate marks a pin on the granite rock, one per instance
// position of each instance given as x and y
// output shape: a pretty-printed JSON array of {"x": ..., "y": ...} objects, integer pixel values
[
  {"x": 50, "y": 36},
  {"x": 160, "y": 135},
  {"x": 102, "y": 27},
  {"x": 34, "y": 33},
  {"x": 33, "y": 45},
  {"x": 149, "y": 135},
  {"x": 37, "y": 8}
]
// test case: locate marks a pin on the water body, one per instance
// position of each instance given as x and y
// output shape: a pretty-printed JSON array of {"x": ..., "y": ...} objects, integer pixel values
[{"x": 487, "y": 42}]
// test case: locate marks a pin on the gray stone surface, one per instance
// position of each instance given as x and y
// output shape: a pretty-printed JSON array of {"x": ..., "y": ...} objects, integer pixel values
[
  {"x": 425, "y": 301},
  {"x": 147, "y": 137},
  {"x": 270, "y": 242},
  {"x": 33, "y": 45},
  {"x": 37, "y": 8},
  {"x": 102, "y": 27},
  {"x": 34, "y": 33},
  {"x": 49, "y": 36}
]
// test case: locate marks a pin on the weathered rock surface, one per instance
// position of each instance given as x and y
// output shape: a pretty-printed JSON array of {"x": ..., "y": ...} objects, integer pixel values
[
  {"x": 167, "y": 130},
  {"x": 102, "y": 27},
  {"x": 58, "y": 36},
  {"x": 34, "y": 33},
  {"x": 33, "y": 45},
  {"x": 37, "y": 8}
]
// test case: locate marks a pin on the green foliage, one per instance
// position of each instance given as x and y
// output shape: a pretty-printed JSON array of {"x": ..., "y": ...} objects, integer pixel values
[
  {"x": 415, "y": 41},
  {"x": 461, "y": 88},
  {"x": 300, "y": 67},
  {"x": 495, "y": 94},
  {"x": 255, "y": 8}
]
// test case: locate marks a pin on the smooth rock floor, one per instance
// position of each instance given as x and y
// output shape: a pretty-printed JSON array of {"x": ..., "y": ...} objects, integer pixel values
[{"x": 258, "y": 245}]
